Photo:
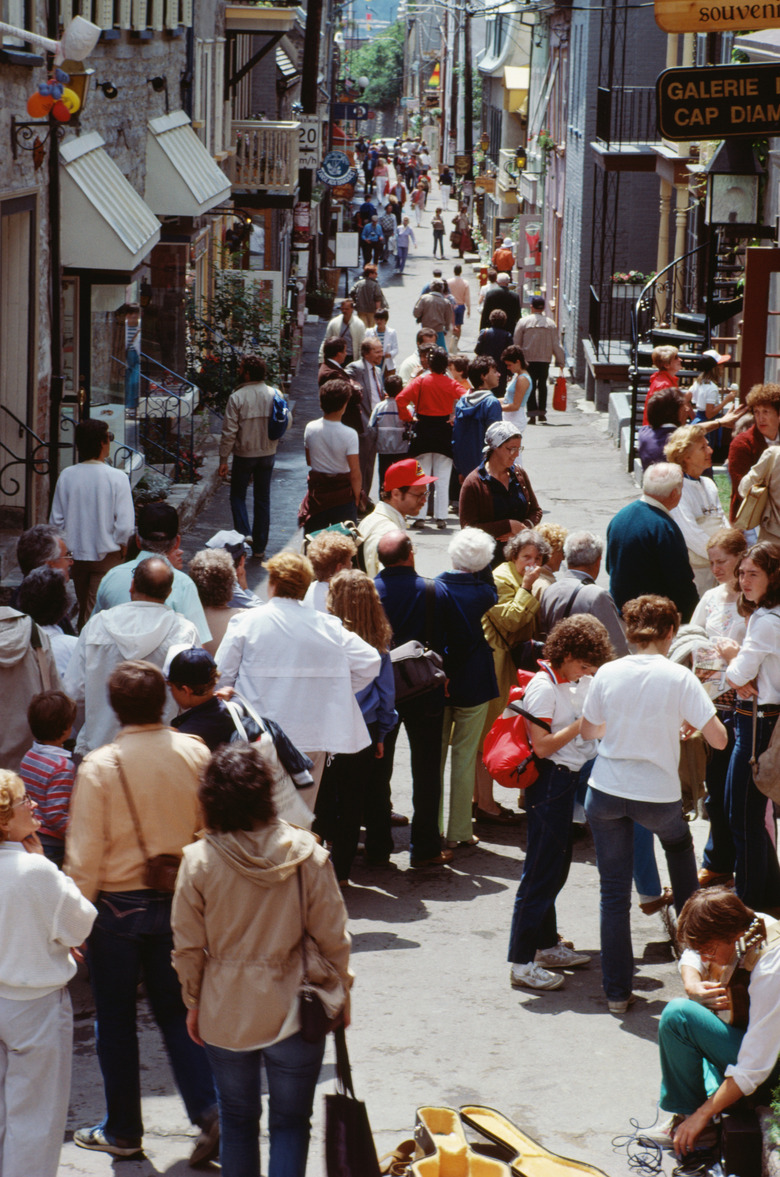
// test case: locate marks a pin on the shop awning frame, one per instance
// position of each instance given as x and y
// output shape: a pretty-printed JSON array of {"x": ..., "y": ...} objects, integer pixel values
[{"x": 182, "y": 179}]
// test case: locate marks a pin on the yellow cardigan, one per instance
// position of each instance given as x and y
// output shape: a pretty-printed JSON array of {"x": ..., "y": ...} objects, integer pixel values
[{"x": 514, "y": 619}]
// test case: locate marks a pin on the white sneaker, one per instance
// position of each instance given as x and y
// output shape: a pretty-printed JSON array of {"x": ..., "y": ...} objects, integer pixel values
[
  {"x": 533, "y": 976},
  {"x": 621, "y": 1007},
  {"x": 560, "y": 957},
  {"x": 662, "y": 1134}
]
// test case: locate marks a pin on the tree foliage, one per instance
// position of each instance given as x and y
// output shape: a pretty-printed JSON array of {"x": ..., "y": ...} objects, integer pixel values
[{"x": 382, "y": 62}]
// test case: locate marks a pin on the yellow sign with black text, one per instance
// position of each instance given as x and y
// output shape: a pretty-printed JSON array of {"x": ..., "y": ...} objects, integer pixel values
[
  {"x": 704, "y": 16},
  {"x": 718, "y": 102}
]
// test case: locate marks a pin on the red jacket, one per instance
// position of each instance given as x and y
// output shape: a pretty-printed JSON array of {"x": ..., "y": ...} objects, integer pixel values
[
  {"x": 658, "y": 381},
  {"x": 434, "y": 395}
]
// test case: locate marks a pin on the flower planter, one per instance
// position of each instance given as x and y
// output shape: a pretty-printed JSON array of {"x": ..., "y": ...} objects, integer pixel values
[
  {"x": 319, "y": 304},
  {"x": 630, "y": 290}
]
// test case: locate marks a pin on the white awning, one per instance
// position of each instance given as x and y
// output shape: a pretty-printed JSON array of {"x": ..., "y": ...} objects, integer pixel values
[
  {"x": 182, "y": 179},
  {"x": 105, "y": 225}
]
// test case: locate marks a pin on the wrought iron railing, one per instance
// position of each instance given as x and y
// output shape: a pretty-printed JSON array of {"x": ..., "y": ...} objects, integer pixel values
[
  {"x": 32, "y": 458},
  {"x": 678, "y": 289},
  {"x": 266, "y": 155},
  {"x": 160, "y": 422},
  {"x": 626, "y": 115}
]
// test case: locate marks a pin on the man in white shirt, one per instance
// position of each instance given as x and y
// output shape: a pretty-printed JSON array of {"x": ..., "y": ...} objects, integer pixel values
[
  {"x": 157, "y": 534},
  {"x": 142, "y": 629},
  {"x": 368, "y": 372},
  {"x": 417, "y": 362},
  {"x": 299, "y": 667},
  {"x": 93, "y": 506},
  {"x": 404, "y": 492},
  {"x": 691, "y": 1034}
]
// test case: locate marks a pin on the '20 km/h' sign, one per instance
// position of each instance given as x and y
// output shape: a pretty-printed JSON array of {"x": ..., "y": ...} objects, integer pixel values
[
  {"x": 309, "y": 146},
  {"x": 718, "y": 102}
]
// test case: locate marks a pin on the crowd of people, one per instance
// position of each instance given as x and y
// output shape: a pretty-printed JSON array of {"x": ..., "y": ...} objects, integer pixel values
[{"x": 165, "y": 702}]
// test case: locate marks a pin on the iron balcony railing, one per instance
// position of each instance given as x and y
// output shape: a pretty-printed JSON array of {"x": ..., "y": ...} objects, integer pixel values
[
  {"x": 266, "y": 156},
  {"x": 159, "y": 420},
  {"x": 626, "y": 115}
]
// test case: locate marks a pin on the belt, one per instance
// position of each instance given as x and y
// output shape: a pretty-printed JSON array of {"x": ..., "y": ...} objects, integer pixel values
[{"x": 764, "y": 711}]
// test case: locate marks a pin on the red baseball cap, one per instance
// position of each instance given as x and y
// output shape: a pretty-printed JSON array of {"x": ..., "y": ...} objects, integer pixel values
[{"x": 406, "y": 473}]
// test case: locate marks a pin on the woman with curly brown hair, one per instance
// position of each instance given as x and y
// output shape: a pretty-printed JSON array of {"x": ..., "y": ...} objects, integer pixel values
[
  {"x": 754, "y": 672},
  {"x": 636, "y": 774},
  {"x": 354, "y": 787},
  {"x": 555, "y": 697},
  {"x": 214, "y": 575}
]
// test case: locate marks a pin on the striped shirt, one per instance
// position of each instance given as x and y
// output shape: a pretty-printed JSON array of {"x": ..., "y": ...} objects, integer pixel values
[{"x": 48, "y": 773}]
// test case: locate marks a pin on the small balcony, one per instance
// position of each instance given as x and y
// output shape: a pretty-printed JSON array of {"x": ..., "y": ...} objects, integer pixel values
[
  {"x": 507, "y": 173},
  {"x": 266, "y": 156}
]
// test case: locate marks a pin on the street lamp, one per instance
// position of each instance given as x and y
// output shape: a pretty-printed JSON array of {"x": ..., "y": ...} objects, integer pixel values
[{"x": 733, "y": 176}]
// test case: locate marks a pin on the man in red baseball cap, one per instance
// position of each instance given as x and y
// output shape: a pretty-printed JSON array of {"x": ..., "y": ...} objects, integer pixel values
[{"x": 404, "y": 492}]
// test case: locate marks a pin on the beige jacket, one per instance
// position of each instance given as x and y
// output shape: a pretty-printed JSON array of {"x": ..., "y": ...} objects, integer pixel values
[
  {"x": 537, "y": 335},
  {"x": 245, "y": 424},
  {"x": 767, "y": 467},
  {"x": 163, "y": 769},
  {"x": 237, "y": 925}
]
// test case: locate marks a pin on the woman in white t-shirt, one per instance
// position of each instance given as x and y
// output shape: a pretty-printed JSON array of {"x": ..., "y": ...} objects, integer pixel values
[
  {"x": 554, "y": 700},
  {"x": 699, "y": 512},
  {"x": 717, "y": 614},
  {"x": 332, "y": 452},
  {"x": 708, "y": 397},
  {"x": 636, "y": 774},
  {"x": 754, "y": 672}
]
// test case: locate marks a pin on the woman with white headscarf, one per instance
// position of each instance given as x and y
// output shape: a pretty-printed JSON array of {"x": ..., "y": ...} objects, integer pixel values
[{"x": 497, "y": 497}]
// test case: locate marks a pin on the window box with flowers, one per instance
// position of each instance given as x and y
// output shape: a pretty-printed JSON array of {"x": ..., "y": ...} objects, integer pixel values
[{"x": 629, "y": 284}]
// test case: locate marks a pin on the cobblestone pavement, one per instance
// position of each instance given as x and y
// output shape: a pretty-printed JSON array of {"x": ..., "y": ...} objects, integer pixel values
[{"x": 434, "y": 1018}]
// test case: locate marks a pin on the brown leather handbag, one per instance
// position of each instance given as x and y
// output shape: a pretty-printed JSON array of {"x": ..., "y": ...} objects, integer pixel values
[{"x": 161, "y": 870}]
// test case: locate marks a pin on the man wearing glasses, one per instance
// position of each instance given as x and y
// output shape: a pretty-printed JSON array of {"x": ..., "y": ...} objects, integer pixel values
[{"x": 404, "y": 492}]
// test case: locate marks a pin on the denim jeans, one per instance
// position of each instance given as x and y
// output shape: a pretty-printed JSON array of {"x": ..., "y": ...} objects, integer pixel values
[
  {"x": 612, "y": 825},
  {"x": 537, "y": 401},
  {"x": 422, "y": 719},
  {"x": 719, "y": 852},
  {"x": 646, "y": 877},
  {"x": 244, "y": 469},
  {"x": 292, "y": 1067},
  {"x": 549, "y": 804},
  {"x": 131, "y": 939},
  {"x": 756, "y": 870}
]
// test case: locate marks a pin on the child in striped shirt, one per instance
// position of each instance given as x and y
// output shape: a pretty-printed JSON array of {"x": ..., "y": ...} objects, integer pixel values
[{"x": 48, "y": 770}]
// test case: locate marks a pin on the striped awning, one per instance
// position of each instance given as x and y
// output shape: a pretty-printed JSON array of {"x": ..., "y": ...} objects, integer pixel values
[{"x": 182, "y": 179}]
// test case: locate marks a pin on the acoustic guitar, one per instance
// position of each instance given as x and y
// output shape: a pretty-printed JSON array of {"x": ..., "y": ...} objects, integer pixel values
[{"x": 735, "y": 976}]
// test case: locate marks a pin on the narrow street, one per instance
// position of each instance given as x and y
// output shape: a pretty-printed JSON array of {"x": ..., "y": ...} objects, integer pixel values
[{"x": 434, "y": 1020}]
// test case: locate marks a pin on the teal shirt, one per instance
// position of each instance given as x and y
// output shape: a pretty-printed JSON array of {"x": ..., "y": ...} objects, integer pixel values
[{"x": 114, "y": 589}]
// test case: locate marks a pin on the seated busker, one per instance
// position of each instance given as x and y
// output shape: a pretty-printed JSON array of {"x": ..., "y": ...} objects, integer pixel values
[
  {"x": 332, "y": 449},
  {"x": 708, "y": 1064}
]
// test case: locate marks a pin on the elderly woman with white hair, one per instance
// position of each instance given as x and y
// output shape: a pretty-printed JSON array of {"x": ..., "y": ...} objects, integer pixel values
[
  {"x": 463, "y": 596},
  {"x": 699, "y": 513},
  {"x": 497, "y": 497}
]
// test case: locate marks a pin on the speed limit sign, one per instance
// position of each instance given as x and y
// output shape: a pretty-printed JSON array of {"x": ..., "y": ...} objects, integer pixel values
[{"x": 309, "y": 151}]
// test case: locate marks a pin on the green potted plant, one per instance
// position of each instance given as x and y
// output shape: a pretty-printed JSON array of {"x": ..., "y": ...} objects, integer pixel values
[{"x": 319, "y": 300}]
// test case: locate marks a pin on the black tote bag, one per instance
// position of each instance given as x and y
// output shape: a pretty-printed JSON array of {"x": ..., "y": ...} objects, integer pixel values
[{"x": 349, "y": 1144}]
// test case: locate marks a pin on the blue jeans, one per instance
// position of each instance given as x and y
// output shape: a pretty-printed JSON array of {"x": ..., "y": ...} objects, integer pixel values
[
  {"x": 549, "y": 805},
  {"x": 400, "y": 259},
  {"x": 756, "y": 870},
  {"x": 719, "y": 852},
  {"x": 612, "y": 824},
  {"x": 131, "y": 939},
  {"x": 292, "y": 1067},
  {"x": 646, "y": 877},
  {"x": 244, "y": 469}
]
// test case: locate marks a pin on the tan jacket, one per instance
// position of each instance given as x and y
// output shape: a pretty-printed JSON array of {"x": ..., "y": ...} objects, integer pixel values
[
  {"x": 766, "y": 472},
  {"x": 245, "y": 424},
  {"x": 163, "y": 769},
  {"x": 237, "y": 925},
  {"x": 537, "y": 335}
]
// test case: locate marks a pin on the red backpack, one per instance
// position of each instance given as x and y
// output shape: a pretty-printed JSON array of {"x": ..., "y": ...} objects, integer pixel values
[{"x": 507, "y": 755}]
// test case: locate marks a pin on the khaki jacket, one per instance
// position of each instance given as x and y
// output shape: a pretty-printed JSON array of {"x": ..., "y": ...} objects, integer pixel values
[
  {"x": 163, "y": 769},
  {"x": 237, "y": 924},
  {"x": 766, "y": 472},
  {"x": 537, "y": 335},
  {"x": 245, "y": 424}
]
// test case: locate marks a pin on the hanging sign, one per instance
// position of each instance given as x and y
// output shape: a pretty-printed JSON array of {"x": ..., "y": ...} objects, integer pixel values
[
  {"x": 718, "y": 102},
  {"x": 336, "y": 169},
  {"x": 702, "y": 16}
]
